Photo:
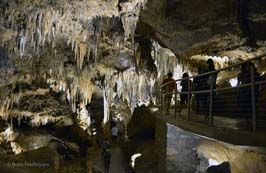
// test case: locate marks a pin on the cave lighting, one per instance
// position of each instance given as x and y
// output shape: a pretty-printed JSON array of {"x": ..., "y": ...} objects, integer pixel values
[
  {"x": 133, "y": 159},
  {"x": 9, "y": 134},
  {"x": 233, "y": 82},
  {"x": 213, "y": 162},
  {"x": 154, "y": 109}
]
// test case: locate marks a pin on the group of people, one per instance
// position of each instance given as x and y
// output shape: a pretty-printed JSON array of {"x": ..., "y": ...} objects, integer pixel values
[
  {"x": 204, "y": 82},
  {"x": 200, "y": 83}
]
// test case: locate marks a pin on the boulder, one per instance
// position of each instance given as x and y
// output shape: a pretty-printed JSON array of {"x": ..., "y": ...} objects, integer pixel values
[
  {"x": 142, "y": 123},
  {"x": 74, "y": 134}
]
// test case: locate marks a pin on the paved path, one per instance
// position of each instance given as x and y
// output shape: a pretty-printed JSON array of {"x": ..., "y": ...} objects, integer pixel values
[
  {"x": 118, "y": 163},
  {"x": 230, "y": 130},
  {"x": 218, "y": 121}
]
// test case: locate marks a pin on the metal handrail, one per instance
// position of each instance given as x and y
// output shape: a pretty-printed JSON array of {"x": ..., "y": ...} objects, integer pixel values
[
  {"x": 217, "y": 71},
  {"x": 217, "y": 90},
  {"x": 213, "y": 90}
]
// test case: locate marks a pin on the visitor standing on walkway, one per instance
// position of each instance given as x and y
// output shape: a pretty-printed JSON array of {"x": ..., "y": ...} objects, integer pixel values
[
  {"x": 211, "y": 78},
  {"x": 107, "y": 160},
  {"x": 114, "y": 134},
  {"x": 186, "y": 86},
  {"x": 105, "y": 146},
  {"x": 168, "y": 88},
  {"x": 211, "y": 81}
]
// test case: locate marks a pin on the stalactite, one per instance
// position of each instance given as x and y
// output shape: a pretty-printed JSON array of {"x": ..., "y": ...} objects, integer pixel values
[
  {"x": 82, "y": 54},
  {"x": 130, "y": 16},
  {"x": 46, "y": 25},
  {"x": 133, "y": 87},
  {"x": 22, "y": 42},
  {"x": 166, "y": 61},
  {"x": 86, "y": 87}
]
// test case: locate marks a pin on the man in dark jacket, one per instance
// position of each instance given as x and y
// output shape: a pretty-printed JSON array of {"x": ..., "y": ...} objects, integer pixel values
[
  {"x": 168, "y": 88},
  {"x": 107, "y": 160}
]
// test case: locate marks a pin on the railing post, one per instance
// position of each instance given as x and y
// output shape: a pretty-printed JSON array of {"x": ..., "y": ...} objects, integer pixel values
[
  {"x": 188, "y": 102},
  {"x": 211, "y": 101},
  {"x": 175, "y": 102},
  {"x": 161, "y": 99},
  {"x": 254, "y": 118},
  {"x": 166, "y": 99}
]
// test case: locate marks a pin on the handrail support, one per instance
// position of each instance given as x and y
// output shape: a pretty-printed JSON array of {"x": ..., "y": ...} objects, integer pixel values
[
  {"x": 188, "y": 102},
  {"x": 254, "y": 118},
  {"x": 211, "y": 101}
]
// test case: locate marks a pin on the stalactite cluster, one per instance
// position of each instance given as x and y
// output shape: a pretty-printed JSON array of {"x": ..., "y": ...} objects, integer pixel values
[
  {"x": 45, "y": 35},
  {"x": 130, "y": 15}
]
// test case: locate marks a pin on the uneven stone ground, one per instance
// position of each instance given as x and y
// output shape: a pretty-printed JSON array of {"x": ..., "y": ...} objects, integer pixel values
[{"x": 75, "y": 164}]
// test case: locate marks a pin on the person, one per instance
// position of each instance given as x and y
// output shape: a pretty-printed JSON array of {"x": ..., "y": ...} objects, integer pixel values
[
  {"x": 210, "y": 79},
  {"x": 168, "y": 87},
  {"x": 105, "y": 146},
  {"x": 200, "y": 84},
  {"x": 186, "y": 84},
  {"x": 244, "y": 97},
  {"x": 114, "y": 133},
  {"x": 107, "y": 160}
]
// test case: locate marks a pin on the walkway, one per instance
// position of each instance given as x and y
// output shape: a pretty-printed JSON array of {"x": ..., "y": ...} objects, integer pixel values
[
  {"x": 244, "y": 98},
  {"x": 118, "y": 164},
  {"x": 219, "y": 121},
  {"x": 234, "y": 131}
]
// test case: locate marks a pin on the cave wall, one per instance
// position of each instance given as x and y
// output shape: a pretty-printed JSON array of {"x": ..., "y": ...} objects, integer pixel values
[
  {"x": 191, "y": 26},
  {"x": 188, "y": 152}
]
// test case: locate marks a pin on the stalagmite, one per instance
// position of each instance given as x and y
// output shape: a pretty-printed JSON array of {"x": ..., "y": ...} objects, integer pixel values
[
  {"x": 16, "y": 148},
  {"x": 83, "y": 118}
]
